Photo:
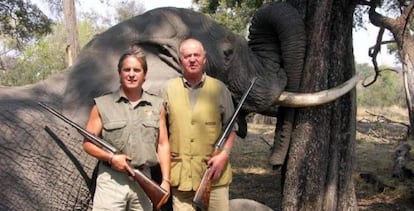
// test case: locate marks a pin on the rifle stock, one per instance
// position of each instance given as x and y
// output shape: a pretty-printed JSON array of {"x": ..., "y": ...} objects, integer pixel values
[
  {"x": 155, "y": 193},
  {"x": 202, "y": 195}
]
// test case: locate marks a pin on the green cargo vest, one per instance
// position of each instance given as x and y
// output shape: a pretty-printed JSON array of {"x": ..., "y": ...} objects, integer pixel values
[
  {"x": 134, "y": 131},
  {"x": 193, "y": 133}
]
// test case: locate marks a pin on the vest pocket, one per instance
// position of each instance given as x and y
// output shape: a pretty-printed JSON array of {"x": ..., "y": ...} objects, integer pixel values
[{"x": 175, "y": 173}]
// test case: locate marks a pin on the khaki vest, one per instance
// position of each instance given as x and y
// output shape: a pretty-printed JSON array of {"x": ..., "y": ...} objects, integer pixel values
[
  {"x": 134, "y": 131},
  {"x": 193, "y": 133}
]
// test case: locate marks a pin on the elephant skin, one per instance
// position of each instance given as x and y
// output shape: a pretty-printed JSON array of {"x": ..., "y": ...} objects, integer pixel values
[{"x": 43, "y": 165}]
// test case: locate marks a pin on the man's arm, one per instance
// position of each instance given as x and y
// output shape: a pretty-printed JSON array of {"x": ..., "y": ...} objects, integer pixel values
[
  {"x": 94, "y": 126},
  {"x": 218, "y": 161},
  {"x": 164, "y": 151}
]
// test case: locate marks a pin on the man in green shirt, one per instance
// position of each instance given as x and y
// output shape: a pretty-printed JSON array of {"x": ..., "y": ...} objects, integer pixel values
[{"x": 134, "y": 122}]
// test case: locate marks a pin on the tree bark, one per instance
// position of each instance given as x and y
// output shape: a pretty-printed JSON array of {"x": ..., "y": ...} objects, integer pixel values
[
  {"x": 320, "y": 161},
  {"x": 408, "y": 77},
  {"x": 72, "y": 48}
]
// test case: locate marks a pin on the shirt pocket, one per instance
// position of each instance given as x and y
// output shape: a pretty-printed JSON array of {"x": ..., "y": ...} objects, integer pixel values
[
  {"x": 114, "y": 132},
  {"x": 150, "y": 130}
]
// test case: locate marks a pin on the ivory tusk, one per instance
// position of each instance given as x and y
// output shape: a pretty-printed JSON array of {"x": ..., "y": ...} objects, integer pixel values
[{"x": 297, "y": 100}]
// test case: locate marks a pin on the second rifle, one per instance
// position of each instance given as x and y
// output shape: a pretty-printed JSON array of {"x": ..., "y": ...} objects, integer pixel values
[{"x": 202, "y": 195}]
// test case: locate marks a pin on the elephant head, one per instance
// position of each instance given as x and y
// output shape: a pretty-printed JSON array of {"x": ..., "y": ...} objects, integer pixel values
[{"x": 42, "y": 161}]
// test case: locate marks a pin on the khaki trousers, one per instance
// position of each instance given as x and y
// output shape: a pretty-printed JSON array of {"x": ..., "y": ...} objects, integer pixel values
[
  {"x": 219, "y": 199},
  {"x": 116, "y": 192}
]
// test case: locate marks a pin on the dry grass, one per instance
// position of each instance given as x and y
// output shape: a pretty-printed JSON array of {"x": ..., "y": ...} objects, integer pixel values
[
  {"x": 253, "y": 177},
  {"x": 378, "y": 133}
]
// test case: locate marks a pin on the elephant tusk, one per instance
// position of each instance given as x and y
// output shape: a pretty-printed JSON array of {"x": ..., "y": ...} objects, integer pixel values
[{"x": 297, "y": 100}]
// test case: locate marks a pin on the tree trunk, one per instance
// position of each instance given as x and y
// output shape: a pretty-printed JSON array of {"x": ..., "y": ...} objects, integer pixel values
[
  {"x": 320, "y": 161},
  {"x": 408, "y": 77},
  {"x": 72, "y": 48}
]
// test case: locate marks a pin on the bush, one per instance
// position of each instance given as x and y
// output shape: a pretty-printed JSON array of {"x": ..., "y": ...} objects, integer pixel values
[{"x": 388, "y": 90}]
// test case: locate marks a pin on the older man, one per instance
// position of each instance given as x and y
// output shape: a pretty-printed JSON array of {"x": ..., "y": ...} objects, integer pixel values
[{"x": 198, "y": 107}]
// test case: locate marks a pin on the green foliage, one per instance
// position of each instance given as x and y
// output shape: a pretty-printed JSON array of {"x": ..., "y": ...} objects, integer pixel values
[
  {"x": 360, "y": 18},
  {"x": 43, "y": 57},
  {"x": 207, "y": 6},
  {"x": 233, "y": 14},
  {"x": 211, "y": 6},
  {"x": 22, "y": 21},
  {"x": 34, "y": 64},
  {"x": 386, "y": 91},
  {"x": 128, "y": 9},
  {"x": 235, "y": 19}
]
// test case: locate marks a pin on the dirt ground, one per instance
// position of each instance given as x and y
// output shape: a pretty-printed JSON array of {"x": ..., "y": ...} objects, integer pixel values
[{"x": 379, "y": 132}]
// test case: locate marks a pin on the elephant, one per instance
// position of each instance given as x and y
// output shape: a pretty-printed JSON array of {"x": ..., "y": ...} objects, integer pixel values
[{"x": 43, "y": 165}]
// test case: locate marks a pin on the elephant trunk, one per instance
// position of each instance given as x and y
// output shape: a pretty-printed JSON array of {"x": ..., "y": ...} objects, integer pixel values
[
  {"x": 277, "y": 42},
  {"x": 283, "y": 46}
]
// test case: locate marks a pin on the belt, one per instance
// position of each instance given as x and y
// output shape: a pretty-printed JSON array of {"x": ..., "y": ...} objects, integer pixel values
[
  {"x": 142, "y": 167},
  {"x": 178, "y": 159}
]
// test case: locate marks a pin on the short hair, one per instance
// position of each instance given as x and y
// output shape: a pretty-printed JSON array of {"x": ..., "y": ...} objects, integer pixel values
[
  {"x": 136, "y": 52},
  {"x": 190, "y": 39}
]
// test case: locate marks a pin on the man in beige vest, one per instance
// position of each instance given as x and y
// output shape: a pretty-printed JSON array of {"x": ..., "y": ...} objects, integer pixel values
[
  {"x": 198, "y": 106},
  {"x": 133, "y": 121}
]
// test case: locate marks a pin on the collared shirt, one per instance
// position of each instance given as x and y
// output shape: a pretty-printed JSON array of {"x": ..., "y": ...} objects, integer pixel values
[
  {"x": 119, "y": 96},
  {"x": 194, "y": 91},
  {"x": 133, "y": 129}
]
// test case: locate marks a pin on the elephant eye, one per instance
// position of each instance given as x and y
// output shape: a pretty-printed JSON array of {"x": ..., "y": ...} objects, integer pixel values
[{"x": 228, "y": 52}]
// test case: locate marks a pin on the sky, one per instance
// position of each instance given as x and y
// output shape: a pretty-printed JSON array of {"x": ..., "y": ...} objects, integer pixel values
[
  {"x": 151, "y": 4},
  {"x": 148, "y": 4},
  {"x": 363, "y": 39}
]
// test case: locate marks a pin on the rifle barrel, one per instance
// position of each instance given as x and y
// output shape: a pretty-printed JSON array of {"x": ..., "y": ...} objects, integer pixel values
[
  {"x": 82, "y": 131},
  {"x": 155, "y": 193},
  {"x": 229, "y": 125},
  {"x": 202, "y": 195}
]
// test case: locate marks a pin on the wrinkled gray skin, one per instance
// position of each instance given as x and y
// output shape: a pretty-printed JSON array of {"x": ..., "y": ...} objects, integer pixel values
[{"x": 43, "y": 166}]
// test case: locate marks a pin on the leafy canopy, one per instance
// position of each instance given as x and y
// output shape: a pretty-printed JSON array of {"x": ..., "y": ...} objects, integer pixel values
[
  {"x": 233, "y": 14},
  {"x": 21, "y": 21}
]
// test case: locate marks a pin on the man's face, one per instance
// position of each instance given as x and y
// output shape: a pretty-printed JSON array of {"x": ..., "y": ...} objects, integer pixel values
[
  {"x": 132, "y": 74},
  {"x": 192, "y": 59}
]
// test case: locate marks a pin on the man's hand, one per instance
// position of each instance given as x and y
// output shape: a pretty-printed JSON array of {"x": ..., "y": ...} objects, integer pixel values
[
  {"x": 120, "y": 163},
  {"x": 166, "y": 185},
  {"x": 217, "y": 163}
]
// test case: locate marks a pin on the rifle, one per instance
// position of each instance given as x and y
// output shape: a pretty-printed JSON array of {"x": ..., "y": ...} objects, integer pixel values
[
  {"x": 155, "y": 193},
  {"x": 202, "y": 195}
]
